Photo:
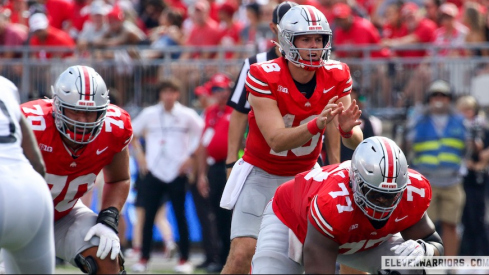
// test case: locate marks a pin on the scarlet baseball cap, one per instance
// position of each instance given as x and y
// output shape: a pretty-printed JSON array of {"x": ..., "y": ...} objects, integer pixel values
[
  {"x": 281, "y": 9},
  {"x": 116, "y": 14},
  {"x": 409, "y": 8},
  {"x": 227, "y": 8},
  {"x": 341, "y": 10},
  {"x": 220, "y": 80},
  {"x": 202, "y": 90}
]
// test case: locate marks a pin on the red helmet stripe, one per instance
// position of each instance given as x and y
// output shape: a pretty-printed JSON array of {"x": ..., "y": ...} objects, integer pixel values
[
  {"x": 389, "y": 160},
  {"x": 312, "y": 15},
  {"x": 86, "y": 79}
]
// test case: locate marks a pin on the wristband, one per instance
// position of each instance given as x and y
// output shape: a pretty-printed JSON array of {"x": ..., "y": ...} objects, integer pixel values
[
  {"x": 345, "y": 134},
  {"x": 230, "y": 165},
  {"x": 312, "y": 127},
  {"x": 110, "y": 217}
]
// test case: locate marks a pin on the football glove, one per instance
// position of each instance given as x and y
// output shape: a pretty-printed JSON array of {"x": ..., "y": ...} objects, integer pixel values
[
  {"x": 108, "y": 240},
  {"x": 416, "y": 249}
]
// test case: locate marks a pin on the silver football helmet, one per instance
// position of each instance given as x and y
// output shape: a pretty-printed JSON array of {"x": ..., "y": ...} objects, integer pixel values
[
  {"x": 304, "y": 20},
  {"x": 379, "y": 176},
  {"x": 80, "y": 88}
]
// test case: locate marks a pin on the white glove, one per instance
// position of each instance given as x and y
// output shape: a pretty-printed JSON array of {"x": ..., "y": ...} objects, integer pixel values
[
  {"x": 411, "y": 248},
  {"x": 108, "y": 240}
]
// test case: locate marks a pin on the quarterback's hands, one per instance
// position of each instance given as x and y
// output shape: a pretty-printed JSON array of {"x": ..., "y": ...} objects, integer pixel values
[
  {"x": 328, "y": 113},
  {"x": 416, "y": 249},
  {"x": 108, "y": 240},
  {"x": 350, "y": 117}
]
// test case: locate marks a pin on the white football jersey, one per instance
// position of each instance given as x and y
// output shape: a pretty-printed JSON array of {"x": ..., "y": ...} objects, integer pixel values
[{"x": 10, "y": 133}]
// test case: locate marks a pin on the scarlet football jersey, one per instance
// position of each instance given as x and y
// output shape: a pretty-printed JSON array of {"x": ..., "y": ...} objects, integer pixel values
[
  {"x": 70, "y": 178},
  {"x": 272, "y": 80},
  {"x": 324, "y": 197}
]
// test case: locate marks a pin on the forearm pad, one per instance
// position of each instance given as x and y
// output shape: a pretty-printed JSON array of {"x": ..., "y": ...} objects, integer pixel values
[
  {"x": 109, "y": 217},
  {"x": 435, "y": 240}
]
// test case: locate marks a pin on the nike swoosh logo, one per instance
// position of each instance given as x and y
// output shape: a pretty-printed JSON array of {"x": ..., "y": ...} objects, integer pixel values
[
  {"x": 101, "y": 151},
  {"x": 325, "y": 91},
  {"x": 398, "y": 220}
]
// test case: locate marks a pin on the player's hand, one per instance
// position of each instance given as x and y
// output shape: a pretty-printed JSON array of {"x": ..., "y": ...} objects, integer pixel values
[
  {"x": 186, "y": 166},
  {"x": 203, "y": 186},
  {"x": 416, "y": 249},
  {"x": 143, "y": 166},
  {"x": 350, "y": 117},
  {"x": 108, "y": 240},
  {"x": 328, "y": 113}
]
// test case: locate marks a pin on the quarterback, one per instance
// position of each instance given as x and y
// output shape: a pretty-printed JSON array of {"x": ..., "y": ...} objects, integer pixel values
[
  {"x": 293, "y": 98},
  {"x": 353, "y": 212},
  {"x": 79, "y": 134}
]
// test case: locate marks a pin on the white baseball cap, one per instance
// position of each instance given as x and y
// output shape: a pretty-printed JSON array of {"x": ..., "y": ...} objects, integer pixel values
[{"x": 38, "y": 21}]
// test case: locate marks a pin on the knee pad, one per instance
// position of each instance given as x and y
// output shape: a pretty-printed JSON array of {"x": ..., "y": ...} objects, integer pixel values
[
  {"x": 86, "y": 265},
  {"x": 89, "y": 265}
]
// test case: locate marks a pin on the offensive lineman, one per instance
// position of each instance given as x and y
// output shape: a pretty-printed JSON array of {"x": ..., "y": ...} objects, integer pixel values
[
  {"x": 388, "y": 216},
  {"x": 80, "y": 134}
]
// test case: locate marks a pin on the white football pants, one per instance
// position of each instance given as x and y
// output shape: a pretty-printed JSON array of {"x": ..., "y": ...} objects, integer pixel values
[{"x": 26, "y": 221}]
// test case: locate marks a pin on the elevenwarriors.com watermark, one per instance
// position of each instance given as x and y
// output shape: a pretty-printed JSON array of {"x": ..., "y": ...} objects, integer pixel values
[{"x": 435, "y": 262}]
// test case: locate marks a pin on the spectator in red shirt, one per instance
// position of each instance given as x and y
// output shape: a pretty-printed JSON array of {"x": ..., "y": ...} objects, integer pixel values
[
  {"x": 326, "y": 7},
  {"x": 432, "y": 10},
  {"x": 394, "y": 27},
  {"x": 213, "y": 10},
  {"x": 204, "y": 31},
  {"x": 46, "y": 36},
  {"x": 78, "y": 17},
  {"x": 419, "y": 30},
  {"x": 352, "y": 30},
  {"x": 11, "y": 35},
  {"x": 19, "y": 12},
  {"x": 59, "y": 13},
  {"x": 211, "y": 158},
  {"x": 230, "y": 29},
  {"x": 451, "y": 33}
]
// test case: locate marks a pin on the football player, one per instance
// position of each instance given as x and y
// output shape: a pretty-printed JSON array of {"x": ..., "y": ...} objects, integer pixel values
[
  {"x": 26, "y": 210},
  {"x": 292, "y": 99},
  {"x": 353, "y": 212},
  {"x": 80, "y": 134}
]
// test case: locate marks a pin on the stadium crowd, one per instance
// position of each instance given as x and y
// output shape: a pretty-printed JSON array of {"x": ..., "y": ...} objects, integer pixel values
[{"x": 456, "y": 164}]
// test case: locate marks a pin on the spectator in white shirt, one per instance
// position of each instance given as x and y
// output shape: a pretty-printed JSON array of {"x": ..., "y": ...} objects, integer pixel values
[{"x": 171, "y": 132}]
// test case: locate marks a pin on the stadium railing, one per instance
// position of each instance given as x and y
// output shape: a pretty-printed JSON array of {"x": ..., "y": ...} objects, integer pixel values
[{"x": 132, "y": 72}]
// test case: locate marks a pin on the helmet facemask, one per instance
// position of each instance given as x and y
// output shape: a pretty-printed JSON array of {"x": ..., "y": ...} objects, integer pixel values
[
  {"x": 368, "y": 197},
  {"x": 378, "y": 176},
  {"x": 76, "y": 131},
  {"x": 297, "y": 22},
  {"x": 80, "y": 89}
]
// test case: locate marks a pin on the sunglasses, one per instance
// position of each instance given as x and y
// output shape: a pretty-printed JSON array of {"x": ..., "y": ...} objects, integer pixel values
[
  {"x": 438, "y": 94},
  {"x": 217, "y": 89}
]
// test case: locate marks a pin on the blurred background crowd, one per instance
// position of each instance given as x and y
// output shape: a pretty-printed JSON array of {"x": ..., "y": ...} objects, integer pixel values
[{"x": 410, "y": 60}]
